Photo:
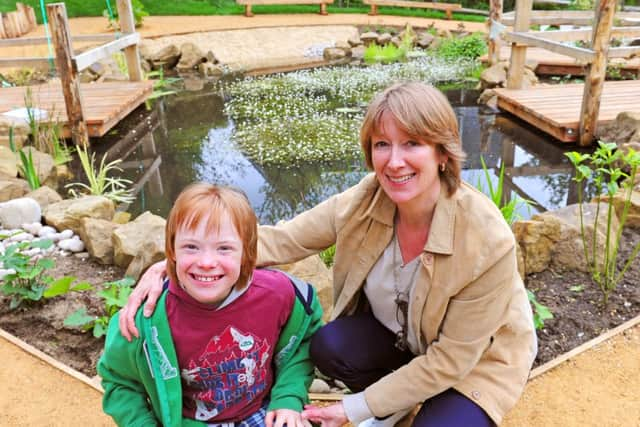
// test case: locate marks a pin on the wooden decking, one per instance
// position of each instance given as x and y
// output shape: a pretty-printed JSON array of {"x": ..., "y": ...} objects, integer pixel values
[
  {"x": 104, "y": 104},
  {"x": 551, "y": 63},
  {"x": 555, "y": 109}
]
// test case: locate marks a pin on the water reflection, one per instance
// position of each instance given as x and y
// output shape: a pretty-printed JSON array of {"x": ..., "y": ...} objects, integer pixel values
[{"x": 195, "y": 142}]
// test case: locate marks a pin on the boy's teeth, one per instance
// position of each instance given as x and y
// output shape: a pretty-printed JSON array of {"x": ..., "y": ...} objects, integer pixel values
[{"x": 206, "y": 278}]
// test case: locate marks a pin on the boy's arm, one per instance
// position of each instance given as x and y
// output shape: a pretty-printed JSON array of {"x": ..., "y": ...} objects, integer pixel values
[
  {"x": 125, "y": 398},
  {"x": 293, "y": 365}
]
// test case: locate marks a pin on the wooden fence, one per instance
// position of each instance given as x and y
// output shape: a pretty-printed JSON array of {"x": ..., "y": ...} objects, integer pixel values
[{"x": 15, "y": 24}]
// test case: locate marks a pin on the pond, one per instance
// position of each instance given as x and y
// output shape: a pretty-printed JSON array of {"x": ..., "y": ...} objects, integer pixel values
[{"x": 291, "y": 148}]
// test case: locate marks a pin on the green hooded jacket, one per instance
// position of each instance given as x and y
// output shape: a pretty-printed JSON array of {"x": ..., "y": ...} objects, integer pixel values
[{"x": 136, "y": 396}]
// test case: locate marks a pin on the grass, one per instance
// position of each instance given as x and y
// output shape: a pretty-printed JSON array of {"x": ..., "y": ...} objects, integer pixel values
[{"x": 77, "y": 8}]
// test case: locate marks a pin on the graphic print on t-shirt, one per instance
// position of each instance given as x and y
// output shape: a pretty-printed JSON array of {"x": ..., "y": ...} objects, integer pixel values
[{"x": 231, "y": 371}]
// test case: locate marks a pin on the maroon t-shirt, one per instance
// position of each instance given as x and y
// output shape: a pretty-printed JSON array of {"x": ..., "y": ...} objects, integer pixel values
[{"x": 225, "y": 355}]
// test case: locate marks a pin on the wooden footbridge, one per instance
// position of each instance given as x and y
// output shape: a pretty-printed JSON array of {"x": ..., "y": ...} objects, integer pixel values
[{"x": 568, "y": 112}]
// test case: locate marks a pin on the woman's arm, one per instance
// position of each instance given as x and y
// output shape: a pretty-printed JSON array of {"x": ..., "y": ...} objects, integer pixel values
[{"x": 150, "y": 287}]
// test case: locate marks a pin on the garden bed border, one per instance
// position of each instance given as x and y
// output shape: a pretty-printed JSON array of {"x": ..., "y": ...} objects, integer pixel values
[{"x": 95, "y": 381}]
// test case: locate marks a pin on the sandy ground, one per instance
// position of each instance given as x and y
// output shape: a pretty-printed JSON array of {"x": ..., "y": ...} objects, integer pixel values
[{"x": 597, "y": 388}]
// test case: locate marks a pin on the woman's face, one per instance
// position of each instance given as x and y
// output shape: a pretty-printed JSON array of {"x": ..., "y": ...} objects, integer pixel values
[{"x": 407, "y": 168}]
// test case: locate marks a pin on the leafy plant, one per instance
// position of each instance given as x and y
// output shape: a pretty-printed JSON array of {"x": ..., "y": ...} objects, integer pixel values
[
  {"x": 27, "y": 167},
  {"x": 540, "y": 312},
  {"x": 605, "y": 167},
  {"x": 114, "y": 296},
  {"x": 385, "y": 54},
  {"x": 138, "y": 10},
  {"x": 99, "y": 183},
  {"x": 27, "y": 280},
  {"x": 472, "y": 47},
  {"x": 327, "y": 255},
  {"x": 160, "y": 83}
]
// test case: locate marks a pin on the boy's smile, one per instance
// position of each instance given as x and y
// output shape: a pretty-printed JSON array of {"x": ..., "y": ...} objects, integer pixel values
[{"x": 208, "y": 261}]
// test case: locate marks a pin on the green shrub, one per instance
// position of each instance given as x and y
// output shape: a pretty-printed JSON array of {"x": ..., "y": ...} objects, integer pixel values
[{"x": 470, "y": 47}]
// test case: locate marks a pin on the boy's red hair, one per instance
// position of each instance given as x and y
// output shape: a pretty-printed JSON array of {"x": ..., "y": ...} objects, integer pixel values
[{"x": 201, "y": 200}]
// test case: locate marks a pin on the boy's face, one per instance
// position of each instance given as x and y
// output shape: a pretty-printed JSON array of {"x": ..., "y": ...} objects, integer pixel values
[{"x": 208, "y": 263}]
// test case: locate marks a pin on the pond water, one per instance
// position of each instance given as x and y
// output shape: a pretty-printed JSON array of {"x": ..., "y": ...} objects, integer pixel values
[{"x": 191, "y": 137}]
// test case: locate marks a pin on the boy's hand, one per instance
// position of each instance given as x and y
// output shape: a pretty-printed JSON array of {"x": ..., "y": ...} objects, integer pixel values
[{"x": 282, "y": 417}]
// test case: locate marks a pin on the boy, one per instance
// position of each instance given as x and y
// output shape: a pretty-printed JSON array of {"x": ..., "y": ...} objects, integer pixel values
[{"x": 228, "y": 344}]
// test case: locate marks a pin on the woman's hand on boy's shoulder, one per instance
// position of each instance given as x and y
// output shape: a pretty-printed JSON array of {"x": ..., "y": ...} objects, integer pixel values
[{"x": 282, "y": 417}]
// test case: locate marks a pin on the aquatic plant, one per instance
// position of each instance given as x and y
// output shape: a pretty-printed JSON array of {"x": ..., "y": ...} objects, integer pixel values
[{"x": 315, "y": 115}]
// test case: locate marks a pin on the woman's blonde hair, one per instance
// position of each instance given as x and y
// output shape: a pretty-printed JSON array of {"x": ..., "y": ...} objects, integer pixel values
[
  {"x": 201, "y": 200},
  {"x": 424, "y": 113}
]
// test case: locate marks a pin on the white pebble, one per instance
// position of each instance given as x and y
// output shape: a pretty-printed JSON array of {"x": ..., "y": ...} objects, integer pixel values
[
  {"x": 32, "y": 252},
  {"x": 66, "y": 234},
  {"x": 33, "y": 228},
  {"x": 47, "y": 231},
  {"x": 71, "y": 245},
  {"x": 21, "y": 237}
]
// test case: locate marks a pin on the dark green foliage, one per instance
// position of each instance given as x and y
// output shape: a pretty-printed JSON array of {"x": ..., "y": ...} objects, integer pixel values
[{"x": 471, "y": 47}]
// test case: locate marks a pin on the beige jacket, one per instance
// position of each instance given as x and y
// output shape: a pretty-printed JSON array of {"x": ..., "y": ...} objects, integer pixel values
[{"x": 470, "y": 311}]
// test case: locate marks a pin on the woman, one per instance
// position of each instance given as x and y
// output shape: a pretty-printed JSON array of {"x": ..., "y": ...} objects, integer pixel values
[{"x": 429, "y": 307}]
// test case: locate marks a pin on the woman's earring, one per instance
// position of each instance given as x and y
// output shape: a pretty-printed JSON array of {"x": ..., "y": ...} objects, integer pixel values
[{"x": 443, "y": 166}]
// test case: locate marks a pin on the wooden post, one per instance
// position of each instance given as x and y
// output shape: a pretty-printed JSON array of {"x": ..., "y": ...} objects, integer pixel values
[
  {"x": 131, "y": 53},
  {"x": 596, "y": 71},
  {"x": 495, "y": 14},
  {"x": 519, "y": 53},
  {"x": 61, "y": 37}
]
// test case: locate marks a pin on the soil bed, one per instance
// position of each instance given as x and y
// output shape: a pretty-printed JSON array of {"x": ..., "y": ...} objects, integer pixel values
[{"x": 578, "y": 314}]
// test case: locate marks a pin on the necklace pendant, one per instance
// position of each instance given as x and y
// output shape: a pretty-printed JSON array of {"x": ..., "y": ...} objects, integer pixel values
[{"x": 401, "y": 341}]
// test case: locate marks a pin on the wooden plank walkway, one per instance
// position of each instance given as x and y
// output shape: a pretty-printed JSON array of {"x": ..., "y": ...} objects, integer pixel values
[
  {"x": 555, "y": 109},
  {"x": 551, "y": 63},
  {"x": 104, "y": 104}
]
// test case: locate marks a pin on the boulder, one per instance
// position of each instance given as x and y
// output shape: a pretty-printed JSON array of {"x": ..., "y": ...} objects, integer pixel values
[
  {"x": 14, "y": 213},
  {"x": 358, "y": 52},
  {"x": 211, "y": 57},
  {"x": 334, "y": 54},
  {"x": 11, "y": 188},
  {"x": 208, "y": 69},
  {"x": 42, "y": 162},
  {"x": 315, "y": 272},
  {"x": 45, "y": 196},
  {"x": 190, "y": 57},
  {"x": 60, "y": 174},
  {"x": 425, "y": 40},
  {"x": 536, "y": 239},
  {"x": 144, "y": 234},
  {"x": 369, "y": 37},
  {"x": 20, "y": 131},
  {"x": 567, "y": 253},
  {"x": 384, "y": 39},
  {"x": 96, "y": 235},
  {"x": 633, "y": 214},
  {"x": 67, "y": 214},
  {"x": 494, "y": 76},
  {"x": 144, "y": 259},
  {"x": 165, "y": 58},
  {"x": 489, "y": 98},
  {"x": 8, "y": 162},
  {"x": 625, "y": 128},
  {"x": 354, "y": 41}
]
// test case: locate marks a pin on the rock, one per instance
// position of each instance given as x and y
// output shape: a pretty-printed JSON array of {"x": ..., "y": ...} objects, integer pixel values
[
  {"x": 313, "y": 271},
  {"x": 146, "y": 257},
  {"x": 32, "y": 228},
  {"x": 333, "y": 54},
  {"x": 21, "y": 237},
  {"x": 536, "y": 239},
  {"x": 20, "y": 131},
  {"x": 625, "y": 128},
  {"x": 12, "y": 188},
  {"x": 568, "y": 251},
  {"x": 358, "y": 52},
  {"x": 396, "y": 41},
  {"x": 207, "y": 69},
  {"x": 97, "y": 69},
  {"x": 488, "y": 97},
  {"x": 493, "y": 76},
  {"x": 319, "y": 386},
  {"x": 43, "y": 162},
  {"x": 44, "y": 196},
  {"x": 144, "y": 234},
  {"x": 165, "y": 58},
  {"x": 343, "y": 45},
  {"x": 60, "y": 174},
  {"x": 369, "y": 38},
  {"x": 190, "y": 57},
  {"x": 14, "y": 213},
  {"x": 529, "y": 79},
  {"x": 72, "y": 245},
  {"x": 68, "y": 213},
  {"x": 8, "y": 162},
  {"x": 211, "y": 57},
  {"x": 63, "y": 235},
  {"x": 354, "y": 41},
  {"x": 47, "y": 232},
  {"x": 384, "y": 39},
  {"x": 121, "y": 217},
  {"x": 194, "y": 84},
  {"x": 425, "y": 40},
  {"x": 96, "y": 234},
  {"x": 633, "y": 215}
]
